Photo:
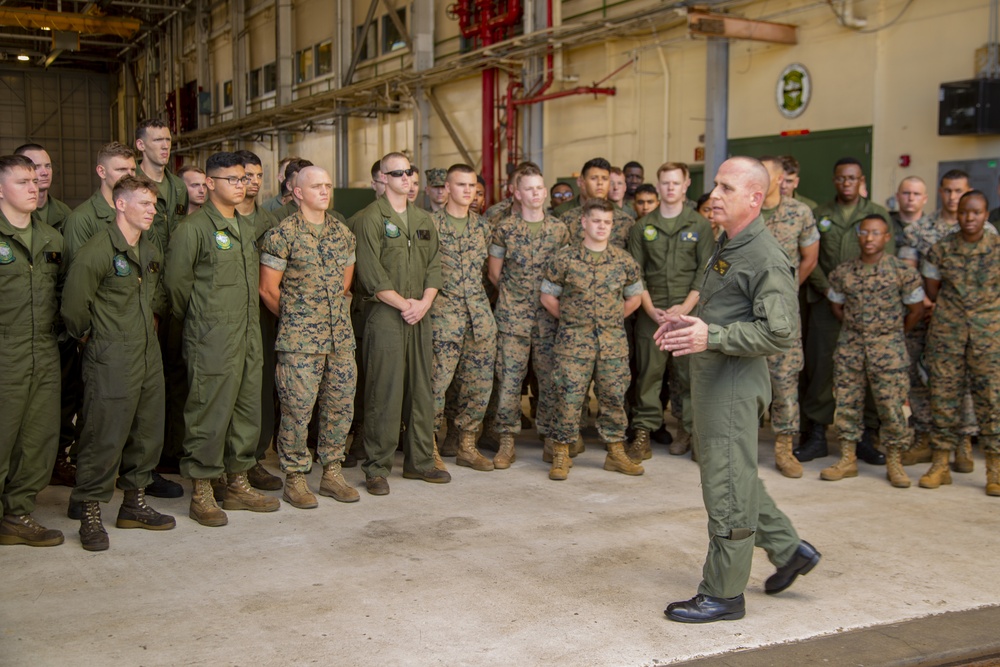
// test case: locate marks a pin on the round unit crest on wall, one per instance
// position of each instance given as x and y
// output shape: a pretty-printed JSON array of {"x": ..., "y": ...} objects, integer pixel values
[{"x": 793, "y": 90}]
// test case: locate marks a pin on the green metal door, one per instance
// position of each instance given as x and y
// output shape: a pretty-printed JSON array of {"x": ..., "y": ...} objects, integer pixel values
[{"x": 816, "y": 153}]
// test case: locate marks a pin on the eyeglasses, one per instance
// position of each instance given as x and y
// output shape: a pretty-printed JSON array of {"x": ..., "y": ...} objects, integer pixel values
[
  {"x": 232, "y": 180},
  {"x": 562, "y": 195},
  {"x": 874, "y": 233},
  {"x": 398, "y": 173},
  {"x": 847, "y": 179}
]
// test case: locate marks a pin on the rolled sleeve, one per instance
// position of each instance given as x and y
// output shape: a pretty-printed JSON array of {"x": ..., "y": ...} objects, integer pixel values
[
  {"x": 931, "y": 271},
  {"x": 835, "y": 296},
  {"x": 497, "y": 251},
  {"x": 272, "y": 262},
  {"x": 916, "y": 296},
  {"x": 635, "y": 289},
  {"x": 551, "y": 288}
]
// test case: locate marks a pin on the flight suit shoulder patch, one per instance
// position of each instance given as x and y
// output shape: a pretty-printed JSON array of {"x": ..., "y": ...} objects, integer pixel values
[
  {"x": 6, "y": 253},
  {"x": 122, "y": 267},
  {"x": 721, "y": 267},
  {"x": 391, "y": 230},
  {"x": 650, "y": 233},
  {"x": 222, "y": 240}
]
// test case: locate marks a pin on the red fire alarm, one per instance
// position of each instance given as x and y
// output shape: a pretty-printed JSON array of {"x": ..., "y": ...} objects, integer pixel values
[{"x": 904, "y": 160}]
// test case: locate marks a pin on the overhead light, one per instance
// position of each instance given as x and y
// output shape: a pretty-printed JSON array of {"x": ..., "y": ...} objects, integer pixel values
[
  {"x": 46, "y": 28},
  {"x": 23, "y": 57}
]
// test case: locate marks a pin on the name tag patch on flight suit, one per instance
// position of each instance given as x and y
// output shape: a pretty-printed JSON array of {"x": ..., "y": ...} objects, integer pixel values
[
  {"x": 824, "y": 224},
  {"x": 53, "y": 257},
  {"x": 391, "y": 230},
  {"x": 720, "y": 267},
  {"x": 223, "y": 241},
  {"x": 154, "y": 267},
  {"x": 650, "y": 233},
  {"x": 423, "y": 235},
  {"x": 122, "y": 267},
  {"x": 6, "y": 253},
  {"x": 180, "y": 210},
  {"x": 690, "y": 237}
]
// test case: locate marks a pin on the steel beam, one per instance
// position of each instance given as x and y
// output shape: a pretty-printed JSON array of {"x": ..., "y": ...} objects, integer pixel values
[
  {"x": 734, "y": 27},
  {"x": 37, "y": 19},
  {"x": 449, "y": 127},
  {"x": 716, "y": 106}
]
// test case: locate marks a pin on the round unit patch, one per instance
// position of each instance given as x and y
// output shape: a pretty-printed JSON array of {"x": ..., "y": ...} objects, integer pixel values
[
  {"x": 824, "y": 224},
  {"x": 650, "y": 233},
  {"x": 391, "y": 230},
  {"x": 6, "y": 253},
  {"x": 122, "y": 267},
  {"x": 223, "y": 241}
]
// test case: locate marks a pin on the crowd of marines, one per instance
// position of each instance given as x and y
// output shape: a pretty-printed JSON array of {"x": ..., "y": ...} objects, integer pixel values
[{"x": 178, "y": 324}]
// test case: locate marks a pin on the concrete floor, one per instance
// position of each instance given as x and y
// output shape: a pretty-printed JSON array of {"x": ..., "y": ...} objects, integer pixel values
[{"x": 501, "y": 568}]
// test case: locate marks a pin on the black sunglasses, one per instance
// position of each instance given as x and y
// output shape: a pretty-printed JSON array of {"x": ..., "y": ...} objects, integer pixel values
[{"x": 398, "y": 173}]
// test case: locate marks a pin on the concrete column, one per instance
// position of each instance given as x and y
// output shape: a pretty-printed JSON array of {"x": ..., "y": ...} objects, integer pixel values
[
  {"x": 533, "y": 116},
  {"x": 237, "y": 31},
  {"x": 283, "y": 50},
  {"x": 716, "y": 106},
  {"x": 202, "y": 19},
  {"x": 342, "y": 47}
]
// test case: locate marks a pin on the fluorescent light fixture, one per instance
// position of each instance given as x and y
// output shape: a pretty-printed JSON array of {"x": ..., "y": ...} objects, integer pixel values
[{"x": 23, "y": 57}]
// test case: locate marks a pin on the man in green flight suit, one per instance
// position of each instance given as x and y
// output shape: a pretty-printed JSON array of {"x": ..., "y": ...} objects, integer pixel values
[
  {"x": 30, "y": 259},
  {"x": 111, "y": 303},
  {"x": 671, "y": 246},
  {"x": 836, "y": 222},
  {"x": 212, "y": 279},
  {"x": 746, "y": 312},
  {"x": 399, "y": 267}
]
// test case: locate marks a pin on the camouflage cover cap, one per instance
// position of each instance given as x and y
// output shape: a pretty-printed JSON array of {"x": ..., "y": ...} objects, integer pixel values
[{"x": 436, "y": 177}]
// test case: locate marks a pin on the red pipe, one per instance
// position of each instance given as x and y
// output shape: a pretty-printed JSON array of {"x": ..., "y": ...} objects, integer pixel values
[{"x": 581, "y": 90}]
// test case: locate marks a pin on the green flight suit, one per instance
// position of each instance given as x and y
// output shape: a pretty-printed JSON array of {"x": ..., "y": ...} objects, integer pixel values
[
  {"x": 53, "y": 214},
  {"x": 212, "y": 280},
  {"x": 671, "y": 255},
  {"x": 111, "y": 295},
  {"x": 29, "y": 363},
  {"x": 358, "y": 324},
  {"x": 89, "y": 218},
  {"x": 398, "y": 357},
  {"x": 838, "y": 243},
  {"x": 748, "y": 298},
  {"x": 171, "y": 207}
]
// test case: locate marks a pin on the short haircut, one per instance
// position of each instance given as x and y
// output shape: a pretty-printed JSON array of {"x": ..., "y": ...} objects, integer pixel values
[
  {"x": 597, "y": 205},
  {"x": 975, "y": 193},
  {"x": 481, "y": 180},
  {"x": 847, "y": 161},
  {"x": 140, "y": 129},
  {"x": 189, "y": 168},
  {"x": 647, "y": 189},
  {"x": 461, "y": 168},
  {"x": 632, "y": 164},
  {"x": 617, "y": 171},
  {"x": 415, "y": 168},
  {"x": 912, "y": 178},
  {"x": 595, "y": 163},
  {"x": 376, "y": 169},
  {"x": 954, "y": 175},
  {"x": 390, "y": 156},
  {"x": 10, "y": 162},
  {"x": 875, "y": 216},
  {"x": 130, "y": 184},
  {"x": 295, "y": 166},
  {"x": 790, "y": 164},
  {"x": 673, "y": 166},
  {"x": 114, "y": 149},
  {"x": 558, "y": 183},
  {"x": 701, "y": 201},
  {"x": 249, "y": 157},
  {"x": 527, "y": 170},
  {"x": 771, "y": 159},
  {"x": 24, "y": 148},
  {"x": 222, "y": 160}
]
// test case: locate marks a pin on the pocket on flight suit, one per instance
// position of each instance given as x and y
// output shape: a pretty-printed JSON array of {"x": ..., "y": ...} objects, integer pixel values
[
  {"x": 228, "y": 268},
  {"x": 110, "y": 372}
]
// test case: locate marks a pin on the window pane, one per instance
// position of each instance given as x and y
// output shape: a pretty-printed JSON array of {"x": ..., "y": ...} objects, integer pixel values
[
  {"x": 227, "y": 94},
  {"x": 303, "y": 65},
  {"x": 392, "y": 38},
  {"x": 368, "y": 43},
  {"x": 324, "y": 58},
  {"x": 270, "y": 77},
  {"x": 254, "y": 86}
]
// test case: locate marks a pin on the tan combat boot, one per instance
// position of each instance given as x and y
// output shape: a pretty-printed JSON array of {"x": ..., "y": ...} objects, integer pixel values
[
  {"x": 963, "y": 456},
  {"x": 938, "y": 473},
  {"x": 334, "y": 485},
  {"x": 505, "y": 455},
  {"x": 681, "y": 443},
  {"x": 241, "y": 496},
  {"x": 297, "y": 492},
  {"x": 560, "y": 460},
  {"x": 992, "y": 474},
  {"x": 204, "y": 509},
  {"x": 784, "y": 460},
  {"x": 469, "y": 456},
  {"x": 547, "y": 452},
  {"x": 640, "y": 450},
  {"x": 894, "y": 468},
  {"x": 577, "y": 447},
  {"x": 920, "y": 452},
  {"x": 449, "y": 446},
  {"x": 847, "y": 466},
  {"x": 618, "y": 461},
  {"x": 438, "y": 463}
]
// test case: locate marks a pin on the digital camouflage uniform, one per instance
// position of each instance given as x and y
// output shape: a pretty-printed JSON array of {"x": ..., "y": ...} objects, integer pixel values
[
  {"x": 590, "y": 340},
  {"x": 671, "y": 254},
  {"x": 112, "y": 293},
  {"x": 792, "y": 225},
  {"x": 315, "y": 344},
  {"x": 918, "y": 239},
  {"x": 838, "y": 244},
  {"x": 748, "y": 296},
  {"x": 622, "y": 225},
  {"x": 526, "y": 329},
  {"x": 398, "y": 357},
  {"x": 464, "y": 331},
  {"x": 292, "y": 207},
  {"x": 29, "y": 363},
  {"x": 502, "y": 210},
  {"x": 963, "y": 344},
  {"x": 212, "y": 279},
  {"x": 871, "y": 349}
]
